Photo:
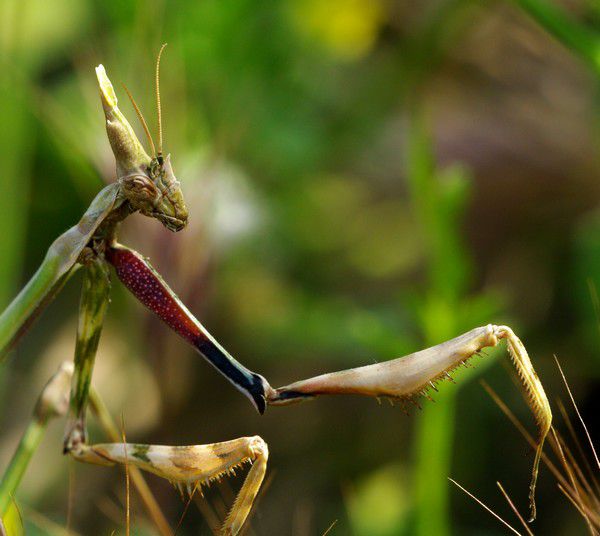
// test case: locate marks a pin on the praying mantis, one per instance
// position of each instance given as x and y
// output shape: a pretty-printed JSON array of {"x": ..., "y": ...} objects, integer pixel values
[{"x": 147, "y": 185}]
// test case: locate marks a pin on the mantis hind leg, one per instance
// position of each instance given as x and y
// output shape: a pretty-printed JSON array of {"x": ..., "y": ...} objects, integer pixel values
[
  {"x": 92, "y": 309},
  {"x": 191, "y": 468}
]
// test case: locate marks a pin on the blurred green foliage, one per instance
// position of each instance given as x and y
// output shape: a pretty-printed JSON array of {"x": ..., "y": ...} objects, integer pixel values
[{"x": 365, "y": 178}]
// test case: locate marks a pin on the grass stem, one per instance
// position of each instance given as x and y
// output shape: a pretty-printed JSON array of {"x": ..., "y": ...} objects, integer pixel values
[{"x": 19, "y": 462}]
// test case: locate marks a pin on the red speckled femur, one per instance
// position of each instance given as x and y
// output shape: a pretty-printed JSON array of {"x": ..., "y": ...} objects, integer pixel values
[{"x": 145, "y": 283}]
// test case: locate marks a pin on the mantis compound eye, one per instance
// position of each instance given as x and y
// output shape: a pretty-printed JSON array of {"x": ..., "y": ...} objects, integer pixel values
[
  {"x": 144, "y": 188},
  {"x": 170, "y": 210},
  {"x": 157, "y": 195},
  {"x": 140, "y": 191}
]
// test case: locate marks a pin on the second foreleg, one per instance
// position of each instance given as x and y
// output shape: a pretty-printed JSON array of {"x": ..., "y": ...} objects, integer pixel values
[{"x": 92, "y": 309}]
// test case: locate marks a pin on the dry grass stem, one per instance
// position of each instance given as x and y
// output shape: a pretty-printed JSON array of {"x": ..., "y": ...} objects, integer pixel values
[
  {"x": 330, "y": 528},
  {"x": 127, "y": 496},
  {"x": 514, "y": 509},
  {"x": 483, "y": 505},
  {"x": 589, "y": 438}
]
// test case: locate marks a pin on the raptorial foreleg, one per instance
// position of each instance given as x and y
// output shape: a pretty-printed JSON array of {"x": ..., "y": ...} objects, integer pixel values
[
  {"x": 192, "y": 468},
  {"x": 412, "y": 375},
  {"x": 92, "y": 309},
  {"x": 146, "y": 284}
]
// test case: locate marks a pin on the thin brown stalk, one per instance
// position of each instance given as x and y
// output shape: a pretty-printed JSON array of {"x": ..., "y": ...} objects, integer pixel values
[
  {"x": 562, "y": 452},
  {"x": 111, "y": 430},
  {"x": 579, "y": 447},
  {"x": 127, "y": 505},
  {"x": 573, "y": 502},
  {"x": 71, "y": 494},
  {"x": 110, "y": 509},
  {"x": 330, "y": 528},
  {"x": 589, "y": 438},
  {"x": 209, "y": 514},
  {"x": 583, "y": 481},
  {"x": 571, "y": 478},
  {"x": 591, "y": 514},
  {"x": 483, "y": 505},
  {"x": 185, "y": 509},
  {"x": 588, "y": 513},
  {"x": 514, "y": 509},
  {"x": 571, "y": 499},
  {"x": 587, "y": 501},
  {"x": 553, "y": 468},
  {"x": 519, "y": 426}
]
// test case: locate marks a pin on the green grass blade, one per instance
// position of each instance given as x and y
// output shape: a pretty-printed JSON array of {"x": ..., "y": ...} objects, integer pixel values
[
  {"x": 19, "y": 462},
  {"x": 580, "y": 39}
]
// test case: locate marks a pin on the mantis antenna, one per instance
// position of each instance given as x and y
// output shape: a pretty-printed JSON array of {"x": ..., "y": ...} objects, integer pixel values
[
  {"x": 160, "y": 137},
  {"x": 143, "y": 121}
]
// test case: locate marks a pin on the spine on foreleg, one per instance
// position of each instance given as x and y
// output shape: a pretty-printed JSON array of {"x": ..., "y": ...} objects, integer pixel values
[
  {"x": 402, "y": 377},
  {"x": 408, "y": 376}
]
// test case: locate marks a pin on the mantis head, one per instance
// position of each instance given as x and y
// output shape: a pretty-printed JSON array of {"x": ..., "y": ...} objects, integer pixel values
[
  {"x": 148, "y": 184},
  {"x": 156, "y": 192}
]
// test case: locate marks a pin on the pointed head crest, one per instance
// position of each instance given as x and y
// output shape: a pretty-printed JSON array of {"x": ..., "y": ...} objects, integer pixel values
[{"x": 149, "y": 184}]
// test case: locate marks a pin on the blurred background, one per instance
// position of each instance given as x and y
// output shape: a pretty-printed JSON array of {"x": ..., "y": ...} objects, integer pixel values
[{"x": 365, "y": 178}]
